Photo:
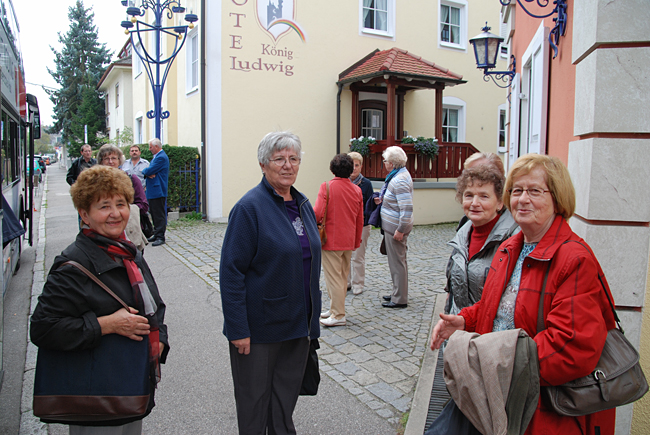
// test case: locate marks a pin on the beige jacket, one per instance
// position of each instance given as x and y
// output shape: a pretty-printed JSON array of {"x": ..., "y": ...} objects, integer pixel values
[
  {"x": 494, "y": 379},
  {"x": 133, "y": 230}
]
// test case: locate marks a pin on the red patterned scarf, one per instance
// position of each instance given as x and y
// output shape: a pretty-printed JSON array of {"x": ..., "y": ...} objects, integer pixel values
[{"x": 145, "y": 303}]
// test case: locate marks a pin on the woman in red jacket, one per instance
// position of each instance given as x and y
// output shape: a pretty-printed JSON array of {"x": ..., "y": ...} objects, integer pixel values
[
  {"x": 343, "y": 225},
  {"x": 577, "y": 315}
]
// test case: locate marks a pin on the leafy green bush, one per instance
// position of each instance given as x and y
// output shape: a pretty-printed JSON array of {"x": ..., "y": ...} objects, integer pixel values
[{"x": 181, "y": 193}]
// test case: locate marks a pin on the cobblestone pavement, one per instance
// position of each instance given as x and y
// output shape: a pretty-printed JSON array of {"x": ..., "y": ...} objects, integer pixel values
[{"x": 377, "y": 356}]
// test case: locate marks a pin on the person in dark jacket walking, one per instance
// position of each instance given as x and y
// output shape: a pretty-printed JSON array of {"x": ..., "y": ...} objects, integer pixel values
[
  {"x": 84, "y": 162},
  {"x": 157, "y": 176},
  {"x": 269, "y": 277},
  {"x": 73, "y": 313}
]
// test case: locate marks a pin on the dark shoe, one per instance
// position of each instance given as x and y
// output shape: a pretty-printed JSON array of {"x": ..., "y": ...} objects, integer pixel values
[
  {"x": 387, "y": 298},
  {"x": 158, "y": 242},
  {"x": 393, "y": 305},
  {"x": 151, "y": 239},
  {"x": 349, "y": 287}
]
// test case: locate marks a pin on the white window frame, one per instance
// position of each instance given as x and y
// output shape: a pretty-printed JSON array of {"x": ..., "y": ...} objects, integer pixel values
[
  {"x": 502, "y": 110},
  {"x": 137, "y": 62},
  {"x": 390, "y": 22},
  {"x": 117, "y": 95},
  {"x": 137, "y": 134},
  {"x": 534, "y": 94},
  {"x": 191, "y": 62},
  {"x": 456, "y": 103},
  {"x": 462, "y": 6},
  {"x": 504, "y": 48}
]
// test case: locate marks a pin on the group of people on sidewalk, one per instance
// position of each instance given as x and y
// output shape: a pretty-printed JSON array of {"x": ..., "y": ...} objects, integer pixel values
[
  {"x": 513, "y": 252},
  {"x": 150, "y": 183},
  {"x": 347, "y": 206}
]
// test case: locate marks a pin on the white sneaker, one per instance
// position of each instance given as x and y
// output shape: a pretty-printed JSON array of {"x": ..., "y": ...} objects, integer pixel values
[
  {"x": 333, "y": 321},
  {"x": 357, "y": 290},
  {"x": 325, "y": 315}
]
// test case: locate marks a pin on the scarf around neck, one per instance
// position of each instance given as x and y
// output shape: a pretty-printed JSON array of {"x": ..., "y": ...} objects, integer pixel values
[
  {"x": 357, "y": 181},
  {"x": 124, "y": 250},
  {"x": 388, "y": 178}
]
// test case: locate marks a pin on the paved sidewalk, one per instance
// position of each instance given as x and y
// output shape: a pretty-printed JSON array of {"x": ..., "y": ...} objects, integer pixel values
[
  {"x": 378, "y": 356},
  {"x": 377, "y": 368}
]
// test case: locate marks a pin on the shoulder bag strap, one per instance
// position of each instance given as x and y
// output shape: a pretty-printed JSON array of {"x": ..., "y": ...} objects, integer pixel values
[
  {"x": 327, "y": 199},
  {"x": 99, "y": 283},
  {"x": 540, "y": 312}
]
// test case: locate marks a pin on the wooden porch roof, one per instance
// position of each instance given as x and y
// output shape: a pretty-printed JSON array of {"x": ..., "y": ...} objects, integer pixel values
[{"x": 399, "y": 63}]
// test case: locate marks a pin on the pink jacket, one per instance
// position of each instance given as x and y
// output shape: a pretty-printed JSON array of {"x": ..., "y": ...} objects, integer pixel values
[{"x": 344, "y": 214}]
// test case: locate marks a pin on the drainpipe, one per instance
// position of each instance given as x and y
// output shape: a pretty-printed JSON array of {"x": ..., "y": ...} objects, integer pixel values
[
  {"x": 204, "y": 210},
  {"x": 338, "y": 119}
]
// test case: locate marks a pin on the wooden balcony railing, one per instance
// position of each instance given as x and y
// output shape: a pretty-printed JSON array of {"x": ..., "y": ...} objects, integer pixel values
[{"x": 448, "y": 163}]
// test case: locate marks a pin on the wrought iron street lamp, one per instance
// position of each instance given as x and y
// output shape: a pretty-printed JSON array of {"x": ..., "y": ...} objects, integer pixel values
[
  {"x": 152, "y": 59},
  {"x": 486, "y": 50}
]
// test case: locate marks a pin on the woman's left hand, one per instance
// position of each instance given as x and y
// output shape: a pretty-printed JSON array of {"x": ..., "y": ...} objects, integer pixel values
[
  {"x": 128, "y": 324},
  {"x": 447, "y": 325},
  {"x": 398, "y": 236}
]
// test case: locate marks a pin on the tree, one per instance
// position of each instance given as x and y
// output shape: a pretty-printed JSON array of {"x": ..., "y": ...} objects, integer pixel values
[
  {"x": 86, "y": 116},
  {"x": 44, "y": 144},
  {"x": 125, "y": 138},
  {"x": 79, "y": 66}
]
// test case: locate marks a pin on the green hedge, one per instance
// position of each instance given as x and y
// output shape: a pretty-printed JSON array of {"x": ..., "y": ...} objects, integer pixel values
[{"x": 182, "y": 187}]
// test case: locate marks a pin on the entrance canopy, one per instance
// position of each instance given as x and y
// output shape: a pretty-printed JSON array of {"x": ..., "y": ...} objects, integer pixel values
[{"x": 395, "y": 72}]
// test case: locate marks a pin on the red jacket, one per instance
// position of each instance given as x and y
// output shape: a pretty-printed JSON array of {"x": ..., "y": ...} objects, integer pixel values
[
  {"x": 576, "y": 312},
  {"x": 344, "y": 214}
]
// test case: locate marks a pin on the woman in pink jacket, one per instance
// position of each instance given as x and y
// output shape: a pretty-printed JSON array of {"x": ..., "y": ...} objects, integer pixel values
[{"x": 343, "y": 225}]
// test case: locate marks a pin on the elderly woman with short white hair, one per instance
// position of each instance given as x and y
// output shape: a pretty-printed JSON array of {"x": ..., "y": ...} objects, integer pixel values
[
  {"x": 270, "y": 289},
  {"x": 396, "y": 198}
]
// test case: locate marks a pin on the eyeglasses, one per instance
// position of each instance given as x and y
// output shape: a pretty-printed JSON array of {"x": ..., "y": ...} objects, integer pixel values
[
  {"x": 111, "y": 159},
  {"x": 533, "y": 192},
  {"x": 281, "y": 161}
]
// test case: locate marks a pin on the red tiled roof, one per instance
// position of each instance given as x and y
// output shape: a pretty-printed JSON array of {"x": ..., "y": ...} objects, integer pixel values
[{"x": 399, "y": 62}]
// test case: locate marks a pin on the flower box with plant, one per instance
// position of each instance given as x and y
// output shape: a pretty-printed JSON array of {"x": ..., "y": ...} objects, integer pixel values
[
  {"x": 408, "y": 140},
  {"x": 362, "y": 144},
  {"x": 426, "y": 146}
]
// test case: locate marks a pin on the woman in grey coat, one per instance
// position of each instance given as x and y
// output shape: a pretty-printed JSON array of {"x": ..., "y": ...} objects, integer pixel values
[{"x": 479, "y": 189}]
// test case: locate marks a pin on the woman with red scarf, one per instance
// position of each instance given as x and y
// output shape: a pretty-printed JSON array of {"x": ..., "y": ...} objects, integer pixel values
[{"x": 73, "y": 312}]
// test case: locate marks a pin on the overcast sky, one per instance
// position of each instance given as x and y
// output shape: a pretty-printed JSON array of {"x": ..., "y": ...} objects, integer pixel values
[{"x": 41, "y": 20}]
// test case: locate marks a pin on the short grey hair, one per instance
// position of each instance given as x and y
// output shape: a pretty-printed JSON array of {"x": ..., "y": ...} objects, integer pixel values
[
  {"x": 108, "y": 150},
  {"x": 155, "y": 142},
  {"x": 85, "y": 145},
  {"x": 277, "y": 141},
  {"x": 396, "y": 156}
]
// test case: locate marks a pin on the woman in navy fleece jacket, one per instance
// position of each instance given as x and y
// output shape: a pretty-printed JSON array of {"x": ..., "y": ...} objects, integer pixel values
[{"x": 269, "y": 277}]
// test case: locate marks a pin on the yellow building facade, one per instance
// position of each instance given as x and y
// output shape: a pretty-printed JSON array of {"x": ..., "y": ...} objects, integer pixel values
[{"x": 266, "y": 65}]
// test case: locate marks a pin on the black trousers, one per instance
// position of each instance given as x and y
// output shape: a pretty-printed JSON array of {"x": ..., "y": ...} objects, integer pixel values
[
  {"x": 267, "y": 383},
  {"x": 158, "y": 210}
]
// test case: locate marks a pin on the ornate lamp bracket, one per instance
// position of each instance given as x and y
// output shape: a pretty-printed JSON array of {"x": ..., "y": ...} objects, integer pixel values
[{"x": 559, "y": 9}]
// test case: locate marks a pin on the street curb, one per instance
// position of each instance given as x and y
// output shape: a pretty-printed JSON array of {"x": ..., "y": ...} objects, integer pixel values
[
  {"x": 422, "y": 396},
  {"x": 29, "y": 424}
]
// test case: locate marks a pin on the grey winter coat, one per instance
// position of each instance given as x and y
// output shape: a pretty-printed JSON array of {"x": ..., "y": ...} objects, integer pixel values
[{"x": 465, "y": 277}]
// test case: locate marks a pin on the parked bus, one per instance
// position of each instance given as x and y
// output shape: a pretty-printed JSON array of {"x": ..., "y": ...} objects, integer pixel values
[{"x": 19, "y": 126}]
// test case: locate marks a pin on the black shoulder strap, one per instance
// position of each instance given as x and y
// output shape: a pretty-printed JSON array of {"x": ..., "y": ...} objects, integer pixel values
[{"x": 540, "y": 312}]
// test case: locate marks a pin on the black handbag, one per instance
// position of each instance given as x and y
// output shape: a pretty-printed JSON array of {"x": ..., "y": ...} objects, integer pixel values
[
  {"x": 451, "y": 421},
  {"x": 616, "y": 381},
  {"x": 108, "y": 382},
  {"x": 311, "y": 378}
]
